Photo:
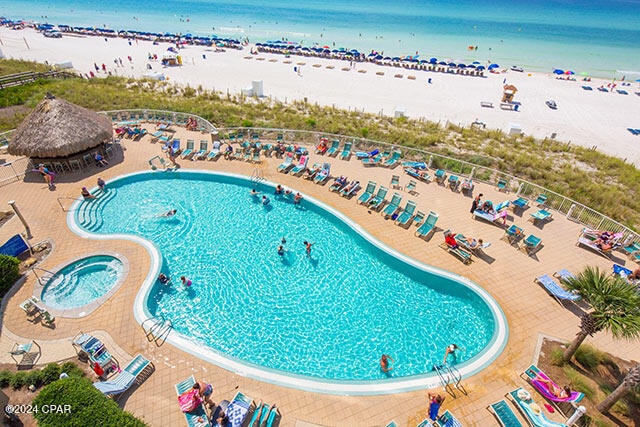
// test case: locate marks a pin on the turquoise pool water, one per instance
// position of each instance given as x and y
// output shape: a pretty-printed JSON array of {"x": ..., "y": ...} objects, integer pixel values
[
  {"x": 329, "y": 316},
  {"x": 82, "y": 282}
]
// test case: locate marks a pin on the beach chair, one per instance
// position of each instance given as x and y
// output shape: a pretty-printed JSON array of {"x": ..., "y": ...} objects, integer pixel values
[
  {"x": 395, "y": 182},
  {"x": 467, "y": 187},
  {"x": 287, "y": 164},
  {"x": 405, "y": 217},
  {"x": 555, "y": 290},
  {"x": 589, "y": 241},
  {"x": 333, "y": 150},
  {"x": 300, "y": 167},
  {"x": 338, "y": 183},
  {"x": 255, "y": 157},
  {"x": 490, "y": 217},
  {"x": 447, "y": 420},
  {"x": 156, "y": 135},
  {"x": 215, "y": 151},
  {"x": 541, "y": 215},
  {"x": 197, "y": 417},
  {"x": 372, "y": 161},
  {"x": 513, "y": 234},
  {"x": 530, "y": 410},
  {"x": 346, "y": 151},
  {"x": 367, "y": 154},
  {"x": 126, "y": 378},
  {"x": 188, "y": 152},
  {"x": 619, "y": 270},
  {"x": 534, "y": 374},
  {"x": 202, "y": 152},
  {"x": 631, "y": 249},
  {"x": 541, "y": 200},
  {"x": 418, "y": 218},
  {"x": 503, "y": 413},
  {"x": 238, "y": 409},
  {"x": 531, "y": 244},
  {"x": 411, "y": 187},
  {"x": 31, "y": 307},
  {"x": 312, "y": 171},
  {"x": 454, "y": 182},
  {"x": 441, "y": 175},
  {"x": 324, "y": 174},
  {"x": 376, "y": 202},
  {"x": 392, "y": 207},
  {"x": 415, "y": 174},
  {"x": 519, "y": 203},
  {"x": 393, "y": 160},
  {"x": 414, "y": 165},
  {"x": 25, "y": 355},
  {"x": 428, "y": 226},
  {"x": 462, "y": 254},
  {"x": 350, "y": 190},
  {"x": 502, "y": 206},
  {"x": 563, "y": 274},
  {"x": 368, "y": 193},
  {"x": 502, "y": 185}
]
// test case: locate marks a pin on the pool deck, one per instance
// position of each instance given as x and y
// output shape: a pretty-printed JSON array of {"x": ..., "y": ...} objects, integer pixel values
[{"x": 505, "y": 272}]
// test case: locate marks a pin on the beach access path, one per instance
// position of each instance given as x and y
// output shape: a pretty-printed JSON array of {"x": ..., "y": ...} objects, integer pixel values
[{"x": 587, "y": 118}]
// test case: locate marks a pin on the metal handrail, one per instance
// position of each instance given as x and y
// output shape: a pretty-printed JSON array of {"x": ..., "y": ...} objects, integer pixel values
[{"x": 64, "y": 198}]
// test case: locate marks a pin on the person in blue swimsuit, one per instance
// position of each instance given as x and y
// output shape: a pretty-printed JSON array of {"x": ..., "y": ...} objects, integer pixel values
[{"x": 435, "y": 401}]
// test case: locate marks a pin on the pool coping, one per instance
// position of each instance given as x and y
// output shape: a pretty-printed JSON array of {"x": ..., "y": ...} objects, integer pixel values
[
  {"x": 349, "y": 387},
  {"x": 87, "y": 309}
]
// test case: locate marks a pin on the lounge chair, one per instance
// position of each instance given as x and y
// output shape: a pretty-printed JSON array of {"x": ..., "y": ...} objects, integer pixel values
[
  {"x": 300, "y": 167},
  {"x": 441, "y": 175},
  {"x": 534, "y": 374},
  {"x": 312, "y": 171},
  {"x": 376, "y": 202},
  {"x": 188, "y": 152},
  {"x": 197, "y": 417},
  {"x": 333, "y": 150},
  {"x": 467, "y": 186},
  {"x": 350, "y": 190},
  {"x": 395, "y": 182},
  {"x": 588, "y": 240},
  {"x": 255, "y": 157},
  {"x": 372, "y": 161},
  {"x": 531, "y": 244},
  {"x": 31, "y": 308},
  {"x": 368, "y": 193},
  {"x": 541, "y": 200},
  {"x": 156, "y": 135},
  {"x": 126, "y": 378},
  {"x": 202, "y": 152},
  {"x": 28, "y": 355},
  {"x": 454, "y": 182},
  {"x": 419, "y": 218},
  {"x": 393, "y": 160},
  {"x": 502, "y": 185},
  {"x": 421, "y": 176},
  {"x": 414, "y": 165},
  {"x": 519, "y": 203},
  {"x": 631, "y": 249},
  {"x": 563, "y": 274},
  {"x": 392, "y": 207},
  {"x": 456, "y": 250},
  {"x": 338, "y": 183},
  {"x": 490, "y": 217},
  {"x": 366, "y": 155},
  {"x": 513, "y": 233},
  {"x": 324, "y": 174},
  {"x": 346, "y": 151},
  {"x": 502, "y": 206},
  {"x": 530, "y": 410},
  {"x": 405, "y": 217},
  {"x": 503, "y": 413},
  {"x": 541, "y": 215},
  {"x": 447, "y": 420},
  {"x": 555, "y": 290},
  {"x": 411, "y": 187},
  {"x": 428, "y": 226},
  {"x": 287, "y": 164},
  {"x": 215, "y": 152},
  {"x": 238, "y": 409}
]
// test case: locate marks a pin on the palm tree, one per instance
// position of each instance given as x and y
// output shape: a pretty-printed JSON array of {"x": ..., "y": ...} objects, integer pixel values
[
  {"x": 631, "y": 381},
  {"x": 615, "y": 306}
]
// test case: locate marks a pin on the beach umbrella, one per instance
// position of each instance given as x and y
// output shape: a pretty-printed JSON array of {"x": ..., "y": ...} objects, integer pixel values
[
  {"x": 471, "y": 66},
  {"x": 326, "y": 47},
  {"x": 326, "y": 51},
  {"x": 462, "y": 66},
  {"x": 442, "y": 63},
  {"x": 433, "y": 60},
  {"x": 378, "y": 57},
  {"x": 558, "y": 71},
  {"x": 424, "y": 61},
  {"x": 476, "y": 63},
  {"x": 480, "y": 67},
  {"x": 342, "y": 49},
  {"x": 492, "y": 66},
  {"x": 451, "y": 64},
  {"x": 569, "y": 72}
]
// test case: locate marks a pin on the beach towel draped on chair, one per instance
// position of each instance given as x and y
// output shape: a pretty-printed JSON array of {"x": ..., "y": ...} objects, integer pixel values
[{"x": 533, "y": 374}]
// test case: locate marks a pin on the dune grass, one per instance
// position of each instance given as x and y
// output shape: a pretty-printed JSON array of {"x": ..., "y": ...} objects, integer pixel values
[{"x": 604, "y": 183}]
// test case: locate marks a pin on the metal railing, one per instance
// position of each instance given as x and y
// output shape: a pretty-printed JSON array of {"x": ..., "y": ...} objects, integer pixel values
[{"x": 159, "y": 116}]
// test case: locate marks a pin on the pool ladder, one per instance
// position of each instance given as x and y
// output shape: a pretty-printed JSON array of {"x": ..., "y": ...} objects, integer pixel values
[
  {"x": 450, "y": 379},
  {"x": 157, "y": 329},
  {"x": 257, "y": 176}
]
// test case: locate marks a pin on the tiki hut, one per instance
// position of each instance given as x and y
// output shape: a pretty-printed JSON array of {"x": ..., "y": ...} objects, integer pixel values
[{"x": 57, "y": 128}]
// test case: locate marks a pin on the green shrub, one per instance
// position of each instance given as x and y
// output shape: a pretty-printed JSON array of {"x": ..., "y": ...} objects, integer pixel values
[
  {"x": 311, "y": 123},
  {"x": 5, "y": 378},
  {"x": 589, "y": 357},
  {"x": 9, "y": 272},
  {"x": 86, "y": 406},
  {"x": 247, "y": 123},
  {"x": 557, "y": 357},
  {"x": 72, "y": 370},
  {"x": 34, "y": 378},
  {"x": 50, "y": 373},
  {"x": 18, "y": 380}
]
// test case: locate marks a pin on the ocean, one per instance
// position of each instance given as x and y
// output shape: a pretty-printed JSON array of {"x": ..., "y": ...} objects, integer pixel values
[{"x": 589, "y": 37}]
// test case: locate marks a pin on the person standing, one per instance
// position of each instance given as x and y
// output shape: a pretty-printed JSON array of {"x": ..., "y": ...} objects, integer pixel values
[
  {"x": 477, "y": 202},
  {"x": 435, "y": 401}
]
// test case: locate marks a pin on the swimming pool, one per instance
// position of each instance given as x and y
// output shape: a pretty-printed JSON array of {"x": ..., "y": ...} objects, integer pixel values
[
  {"x": 324, "y": 319},
  {"x": 77, "y": 288}
]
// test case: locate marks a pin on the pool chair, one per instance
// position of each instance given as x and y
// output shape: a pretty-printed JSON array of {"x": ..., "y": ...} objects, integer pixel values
[
  {"x": 395, "y": 182},
  {"x": 392, "y": 208},
  {"x": 376, "y": 202},
  {"x": 188, "y": 152},
  {"x": 502, "y": 206},
  {"x": 333, "y": 150},
  {"x": 513, "y": 234},
  {"x": 428, "y": 226},
  {"x": 338, "y": 183},
  {"x": 530, "y": 410},
  {"x": 540, "y": 216},
  {"x": 490, "y": 217},
  {"x": 156, "y": 135},
  {"x": 456, "y": 250},
  {"x": 411, "y": 187},
  {"x": 372, "y": 161},
  {"x": 405, "y": 217},
  {"x": 632, "y": 249},
  {"x": 519, "y": 203},
  {"x": 503, "y": 185},
  {"x": 300, "y": 167},
  {"x": 197, "y": 417},
  {"x": 215, "y": 152},
  {"x": 175, "y": 145},
  {"x": 393, "y": 160},
  {"x": 365, "y": 154},
  {"x": 202, "y": 152},
  {"x": 538, "y": 380},
  {"x": 589, "y": 241},
  {"x": 414, "y": 165},
  {"x": 287, "y": 164},
  {"x": 368, "y": 193},
  {"x": 25, "y": 355},
  {"x": 467, "y": 186},
  {"x": 555, "y": 290},
  {"x": 346, "y": 151},
  {"x": 31, "y": 307},
  {"x": 441, "y": 175},
  {"x": 421, "y": 176},
  {"x": 126, "y": 378},
  {"x": 503, "y": 413},
  {"x": 238, "y": 409},
  {"x": 462, "y": 241},
  {"x": 531, "y": 244},
  {"x": 349, "y": 190},
  {"x": 563, "y": 274},
  {"x": 312, "y": 171},
  {"x": 418, "y": 219},
  {"x": 541, "y": 200},
  {"x": 454, "y": 182},
  {"x": 447, "y": 420},
  {"x": 324, "y": 174}
]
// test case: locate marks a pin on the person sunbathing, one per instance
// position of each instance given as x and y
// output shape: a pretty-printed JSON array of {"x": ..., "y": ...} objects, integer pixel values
[
  {"x": 451, "y": 241},
  {"x": 561, "y": 392}
]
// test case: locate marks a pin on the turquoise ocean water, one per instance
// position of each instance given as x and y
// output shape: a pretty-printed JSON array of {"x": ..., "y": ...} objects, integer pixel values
[{"x": 590, "y": 36}]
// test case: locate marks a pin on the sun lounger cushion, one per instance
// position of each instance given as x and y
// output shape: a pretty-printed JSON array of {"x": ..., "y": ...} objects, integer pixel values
[
  {"x": 534, "y": 372},
  {"x": 555, "y": 289},
  {"x": 238, "y": 409},
  {"x": 505, "y": 415},
  {"x": 531, "y": 410}
]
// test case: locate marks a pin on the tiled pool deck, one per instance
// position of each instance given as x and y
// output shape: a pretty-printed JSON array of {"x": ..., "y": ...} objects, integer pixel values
[{"x": 505, "y": 272}]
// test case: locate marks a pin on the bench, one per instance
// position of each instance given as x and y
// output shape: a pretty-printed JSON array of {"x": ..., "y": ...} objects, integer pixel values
[{"x": 486, "y": 104}]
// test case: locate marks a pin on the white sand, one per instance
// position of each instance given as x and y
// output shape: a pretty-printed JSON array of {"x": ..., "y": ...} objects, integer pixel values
[{"x": 587, "y": 118}]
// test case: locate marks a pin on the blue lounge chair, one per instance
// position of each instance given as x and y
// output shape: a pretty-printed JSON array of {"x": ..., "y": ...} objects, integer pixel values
[
  {"x": 405, "y": 217},
  {"x": 300, "y": 167},
  {"x": 448, "y": 420},
  {"x": 372, "y": 161},
  {"x": 126, "y": 378},
  {"x": 502, "y": 206},
  {"x": 631, "y": 249},
  {"x": 563, "y": 274},
  {"x": 619, "y": 270},
  {"x": 349, "y": 190},
  {"x": 531, "y": 244},
  {"x": 503, "y": 413},
  {"x": 454, "y": 182},
  {"x": 188, "y": 152},
  {"x": 393, "y": 206},
  {"x": 519, "y": 203},
  {"x": 365, "y": 154},
  {"x": 411, "y": 187},
  {"x": 441, "y": 175},
  {"x": 541, "y": 215},
  {"x": 14, "y": 246},
  {"x": 395, "y": 182},
  {"x": 286, "y": 164},
  {"x": 376, "y": 202},
  {"x": 338, "y": 183},
  {"x": 530, "y": 410},
  {"x": 202, "y": 152},
  {"x": 513, "y": 233},
  {"x": 197, "y": 417},
  {"x": 541, "y": 200},
  {"x": 238, "y": 409},
  {"x": 346, "y": 151},
  {"x": 175, "y": 145},
  {"x": 587, "y": 87},
  {"x": 324, "y": 174},
  {"x": 502, "y": 185},
  {"x": 368, "y": 193},
  {"x": 421, "y": 176},
  {"x": 414, "y": 165},
  {"x": 555, "y": 290},
  {"x": 333, "y": 150},
  {"x": 428, "y": 226},
  {"x": 392, "y": 161},
  {"x": 419, "y": 218}
]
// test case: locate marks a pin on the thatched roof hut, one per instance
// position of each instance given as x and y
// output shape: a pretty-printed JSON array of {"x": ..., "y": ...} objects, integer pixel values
[{"x": 57, "y": 128}]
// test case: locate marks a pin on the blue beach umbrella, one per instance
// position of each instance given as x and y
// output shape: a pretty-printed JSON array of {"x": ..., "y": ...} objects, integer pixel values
[
  {"x": 558, "y": 71},
  {"x": 433, "y": 60},
  {"x": 480, "y": 67},
  {"x": 451, "y": 64},
  {"x": 378, "y": 57},
  {"x": 492, "y": 66},
  {"x": 476, "y": 63},
  {"x": 442, "y": 63},
  {"x": 462, "y": 65}
]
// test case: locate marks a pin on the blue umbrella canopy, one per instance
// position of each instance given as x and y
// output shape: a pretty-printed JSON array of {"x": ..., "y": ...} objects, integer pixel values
[
  {"x": 462, "y": 65},
  {"x": 480, "y": 67},
  {"x": 476, "y": 62},
  {"x": 558, "y": 71},
  {"x": 433, "y": 60},
  {"x": 492, "y": 66},
  {"x": 442, "y": 63}
]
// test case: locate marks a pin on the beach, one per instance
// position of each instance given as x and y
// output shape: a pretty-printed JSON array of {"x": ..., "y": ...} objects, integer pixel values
[{"x": 589, "y": 118}]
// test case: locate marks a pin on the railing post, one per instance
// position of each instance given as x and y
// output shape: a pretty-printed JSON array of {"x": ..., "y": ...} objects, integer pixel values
[
  {"x": 570, "y": 211},
  {"x": 430, "y": 161},
  {"x": 519, "y": 189}
]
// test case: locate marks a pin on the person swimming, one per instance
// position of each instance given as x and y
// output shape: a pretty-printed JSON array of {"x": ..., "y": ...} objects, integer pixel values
[
  {"x": 170, "y": 213},
  {"x": 308, "y": 247},
  {"x": 281, "y": 250},
  {"x": 254, "y": 192},
  {"x": 265, "y": 200},
  {"x": 186, "y": 282},
  {"x": 164, "y": 279}
]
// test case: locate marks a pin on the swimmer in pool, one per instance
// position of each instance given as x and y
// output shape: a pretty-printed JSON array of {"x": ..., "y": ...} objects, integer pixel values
[
  {"x": 162, "y": 278},
  {"x": 186, "y": 282},
  {"x": 281, "y": 250},
  {"x": 253, "y": 192},
  {"x": 170, "y": 213},
  {"x": 265, "y": 200}
]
